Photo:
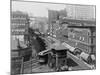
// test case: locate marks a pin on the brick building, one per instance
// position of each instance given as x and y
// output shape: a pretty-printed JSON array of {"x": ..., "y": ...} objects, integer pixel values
[
  {"x": 81, "y": 34},
  {"x": 82, "y": 38}
]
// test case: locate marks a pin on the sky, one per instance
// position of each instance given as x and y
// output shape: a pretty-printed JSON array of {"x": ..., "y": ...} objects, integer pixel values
[
  {"x": 36, "y": 9},
  {"x": 41, "y": 9}
]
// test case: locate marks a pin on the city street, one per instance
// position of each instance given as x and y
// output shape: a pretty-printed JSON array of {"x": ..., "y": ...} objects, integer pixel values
[{"x": 52, "y": 37}]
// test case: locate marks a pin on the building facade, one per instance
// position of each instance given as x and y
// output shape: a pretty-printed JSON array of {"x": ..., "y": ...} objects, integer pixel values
[
  {"x": 82, "y": 39},
  {"x": 81, "y": 34},
  {"x": 19, "y": 28},
  {"x": 19, "y": 24}
]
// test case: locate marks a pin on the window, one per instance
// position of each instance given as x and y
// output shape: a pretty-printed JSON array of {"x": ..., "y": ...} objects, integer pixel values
[
  {"x": 76, "y": 43},
  {"x": 80, "y": 38},
  {"x": 73, "y": 36},
  {"x": 83, "y": 39}
]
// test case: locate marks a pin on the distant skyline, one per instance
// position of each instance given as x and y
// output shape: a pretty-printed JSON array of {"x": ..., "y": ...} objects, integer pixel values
[
  {"x": 34, "y": 8},
  {"x": 41, "y": 9}
]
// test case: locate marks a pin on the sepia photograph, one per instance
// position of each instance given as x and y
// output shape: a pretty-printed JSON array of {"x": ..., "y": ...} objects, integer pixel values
[{"x": 52, "y": 37}]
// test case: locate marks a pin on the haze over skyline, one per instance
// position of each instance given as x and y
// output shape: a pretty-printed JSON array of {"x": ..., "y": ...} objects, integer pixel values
[
  {"x": 36, "y": 9},
  {"x": 41, "y": 9}
]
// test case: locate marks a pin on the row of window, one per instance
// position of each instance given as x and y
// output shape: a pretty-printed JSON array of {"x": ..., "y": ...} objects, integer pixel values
[
  {"x": 80, "y": 31},
  {"x": 19, "y": 16},
  {"x": 18, "y": 33},
  {"x": 23, "y": 18},
  {"x": 79, "y": 38},
  {"x": 18, "y": 24},
  {"x": 18, "y": 30},
  {"x": 19, "y": 21}
]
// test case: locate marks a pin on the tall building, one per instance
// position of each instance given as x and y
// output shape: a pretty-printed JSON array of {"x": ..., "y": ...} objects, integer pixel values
[
  {"x": 81, "y": 12},
  {"x": 54, "y": 15},
  {"x": 19, "y": 24}
]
